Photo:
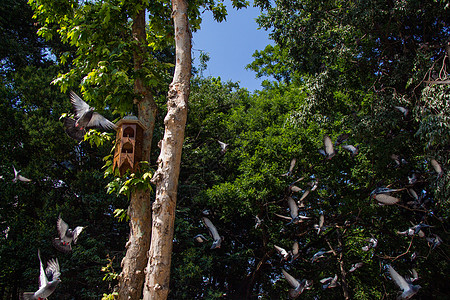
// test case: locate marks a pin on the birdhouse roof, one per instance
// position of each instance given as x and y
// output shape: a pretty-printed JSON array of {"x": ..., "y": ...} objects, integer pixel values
[{"x": 130, "y": 120}]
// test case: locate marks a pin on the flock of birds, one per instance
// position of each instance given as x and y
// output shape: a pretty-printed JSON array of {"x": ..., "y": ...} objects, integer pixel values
[
  {"x": 85, "y": 118},
  {"x": 383, "y": 195},
  {"x": 380, "y": 194}
]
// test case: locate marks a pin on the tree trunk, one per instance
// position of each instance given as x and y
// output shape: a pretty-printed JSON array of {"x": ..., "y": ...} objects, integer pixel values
[
  {"x": 166, "y": 177},
  {"x": 133, "y": 264}
]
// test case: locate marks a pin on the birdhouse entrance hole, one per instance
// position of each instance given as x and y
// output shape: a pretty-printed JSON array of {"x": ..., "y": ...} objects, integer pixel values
[
  {"x": 128, "y": 132},
  {"x": 127, "y": 148}
]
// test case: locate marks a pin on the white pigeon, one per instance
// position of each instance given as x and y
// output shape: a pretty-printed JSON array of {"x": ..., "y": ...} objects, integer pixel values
[
  {"x": 18, "y": 177},
  {"x": 223, "y": 146},
  {"x": 297, "y": 286},
  {"x": 213, "y": 232},
  {"x": 408, "y": 288},
  {"x": 46, "y": 288},
  {"x": 66, "y": 236},
  {"x": 282, "y": 252}
]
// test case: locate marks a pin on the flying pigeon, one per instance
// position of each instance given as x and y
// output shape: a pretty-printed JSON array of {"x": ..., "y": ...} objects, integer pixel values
[
  {"x": 295, "y": 217},
  {"x": 46, "y": 288},
  {"x": 223, "y": 146},
  {"x": 329, "y": 282},
  {"x": 319, "y": 226},
  {"x": 403, "y": 110},
  {"x": 200, "y": 238},
  {"x": 355, "y": 266},
  {"x": 282, "y": 252},
  {"x": 373, "y": 242},
  {"x": 350, "y": 148},
  {"x": 295, "y": 251},
  {"x": 329, "y": 150},
  {"x": 297, "y": 286},
  {"x": 408, "y": 288},
  {"x": 19, "y": 177},
  {"x": 213, "y": 232},
  {"x": 85, "y": 118},
  {"x": 291, "y": 167},
  {"x": 434, "y": 241},
  {"x": 66, "y": 236},
  {"x": 416, "y": 229},
  {"x": 319, "y": 254},
  {"x": 437, "y": 167},
  {"x": 258, "y": 222},
  {"x": 398, "y": 160}
]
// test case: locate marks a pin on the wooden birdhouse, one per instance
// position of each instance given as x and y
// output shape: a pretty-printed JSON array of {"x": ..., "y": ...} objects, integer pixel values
[{"x": 128, "y": 152}]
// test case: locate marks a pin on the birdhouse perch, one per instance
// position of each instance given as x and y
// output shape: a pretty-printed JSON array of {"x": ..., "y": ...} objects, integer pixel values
[{"x": 128, "y": 152}]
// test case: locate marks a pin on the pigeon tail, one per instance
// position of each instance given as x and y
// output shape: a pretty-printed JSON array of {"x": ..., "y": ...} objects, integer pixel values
[{"x": 28, "y": 296}]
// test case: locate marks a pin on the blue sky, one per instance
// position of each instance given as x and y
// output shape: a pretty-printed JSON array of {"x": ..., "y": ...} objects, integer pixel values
[{"x": 230, "y": 45}]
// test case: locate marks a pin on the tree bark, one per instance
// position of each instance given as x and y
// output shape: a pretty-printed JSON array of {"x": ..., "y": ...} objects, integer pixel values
[
  {"x": 131, "y": 278},
  {"x": 166, "y": 177}
]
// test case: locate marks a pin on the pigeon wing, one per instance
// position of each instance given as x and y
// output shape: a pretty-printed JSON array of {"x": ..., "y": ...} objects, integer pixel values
[
  {"x": 295, "y": 248},
  {"x": 76, "y": 232},
  {"x": 386, "y": 199},
  {"x": 79, "y": 106},
  {"x": 212, "y": 229},
  {"x": 436, "y": 166},
  {"x": 293, "y": 208},
  {"x": 100, "y": 122},
  {"x": 62, "y": 227},
  {"x": 42, "y": 278},
  {"x": 53, "y": 269},
  {"x": 399, "y": 280},
  {"x": 329, "y": 150},
  {"x": 321, "y": 220},
  {"x": 290, "y": 279}
]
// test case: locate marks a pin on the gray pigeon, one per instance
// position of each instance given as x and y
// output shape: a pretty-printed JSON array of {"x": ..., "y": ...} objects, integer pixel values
[
  {"x": 408, "y": 288},
  {"x": 291, "y": 168},
  {"x": 353, "y": 150},
  {"x": 437, "y": 167},
  {"x": 46, "y": 288},
  {"x": 328, "y": 146},
  {"x": 403, "y": 110},
  {"x": 200, "y": 238},
  {"x": 66, "y": 236},
  {"x": 373, "y": 242},
  {"x": 434, "y": 241},
  {"x": 85, "y": 118},
  {"x": 319, "y": 227},
  {"x": 355, "y": 266},
  {"x": 213, "y": 232},
  {"x": 18, "y": 177},
  {"x": 297, "y": 286},
  {"x": 319, "y": 254},
  {"x": 329, "y": 282}
]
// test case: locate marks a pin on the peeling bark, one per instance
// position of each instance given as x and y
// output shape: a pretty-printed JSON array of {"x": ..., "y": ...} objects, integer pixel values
[
  {"x": 131, "y": 278},
  {"x": 166, "y": 177}
]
